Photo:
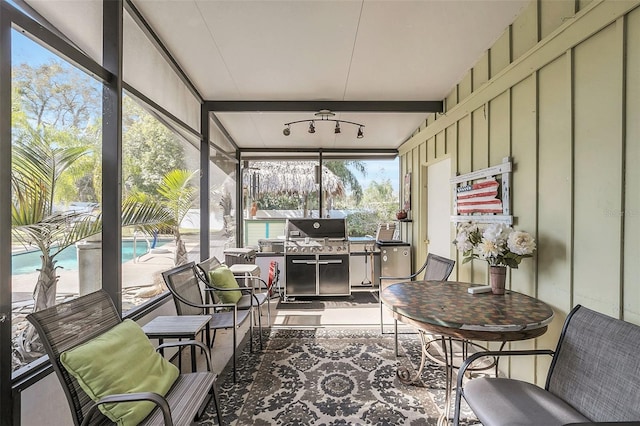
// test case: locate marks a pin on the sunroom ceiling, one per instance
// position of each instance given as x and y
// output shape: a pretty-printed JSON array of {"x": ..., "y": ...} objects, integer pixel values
[{"x": 320, "y": 50}]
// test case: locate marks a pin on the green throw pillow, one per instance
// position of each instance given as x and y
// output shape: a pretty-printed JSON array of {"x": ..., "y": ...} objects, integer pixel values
[
  {"x": 122, "y": 360},
  {"x": 222, "y": 277}
]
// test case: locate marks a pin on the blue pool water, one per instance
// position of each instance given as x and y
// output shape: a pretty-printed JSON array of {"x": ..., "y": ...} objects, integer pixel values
[{"x": 26, "y": 263}]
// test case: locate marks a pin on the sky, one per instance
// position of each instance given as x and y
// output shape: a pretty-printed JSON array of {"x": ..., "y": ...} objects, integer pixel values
[{"x": 381, "y": 170}]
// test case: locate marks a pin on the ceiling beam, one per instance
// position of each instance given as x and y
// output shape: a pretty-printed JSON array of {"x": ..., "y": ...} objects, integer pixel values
[{"x": 336, "y": 106}]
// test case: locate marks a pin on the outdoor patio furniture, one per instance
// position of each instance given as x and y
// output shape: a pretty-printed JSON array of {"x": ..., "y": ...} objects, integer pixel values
[
  {"x": 183, "y": 283},
  {"x": 594, "y": 377},
  {"x": 248, "y": 300},
  {"x": 92, "y": 352},
  {"x": 436, "y": 268}
]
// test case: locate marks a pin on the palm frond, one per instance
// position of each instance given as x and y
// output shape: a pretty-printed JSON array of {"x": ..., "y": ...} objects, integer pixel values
[
  {"x": 143, "y": 212},
  {"x": 178, "y": 193}
]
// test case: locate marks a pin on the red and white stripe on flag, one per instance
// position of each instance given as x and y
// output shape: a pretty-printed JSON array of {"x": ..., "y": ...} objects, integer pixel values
[{"x": 480, "y": 197}]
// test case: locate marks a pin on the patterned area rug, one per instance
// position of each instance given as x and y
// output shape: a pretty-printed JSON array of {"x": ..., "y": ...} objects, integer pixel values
[{"x": 329, "y": 376}]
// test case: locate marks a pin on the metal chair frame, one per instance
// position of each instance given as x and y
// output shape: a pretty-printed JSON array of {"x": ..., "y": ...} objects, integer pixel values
[
  {"x": 257, "y": 299},
  {"x": 431, "y": 273},
  {"x": 223, "y": 315},
  {"x": 75, "y": 322}
]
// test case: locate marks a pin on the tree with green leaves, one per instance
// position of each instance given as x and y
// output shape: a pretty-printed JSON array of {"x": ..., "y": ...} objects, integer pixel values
[
  {"x": 149, "y": 149},
  {"x": 177, "y": 194},
  {"x": 343, "y": 170}
]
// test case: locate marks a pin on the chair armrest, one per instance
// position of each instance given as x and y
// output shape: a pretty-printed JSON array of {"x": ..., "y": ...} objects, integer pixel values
[
  {"x": 241, "y": 289},
  {"x": 255, "y": 278},
  {"x": 189, "y": 343},
  {"x": 157, "y": 399},
  {"x": 467, "y": 362},
  {"x": 251, "y": 277}
]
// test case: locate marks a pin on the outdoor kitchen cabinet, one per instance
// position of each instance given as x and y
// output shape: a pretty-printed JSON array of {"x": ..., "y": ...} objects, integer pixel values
[{"x": 317, "y": 275}]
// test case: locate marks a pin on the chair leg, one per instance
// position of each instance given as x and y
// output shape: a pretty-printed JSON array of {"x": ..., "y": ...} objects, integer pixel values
[
  {"x": 381, "y": 323},
  {"x": 260, "y": 330},
  {"x": 216, "y": 402},
  {"x": 395, "y": 332},
  {"x": 269, "y": 310},
  {"x": 251, "y": 330},
  {"x": 235, "y": 333}
]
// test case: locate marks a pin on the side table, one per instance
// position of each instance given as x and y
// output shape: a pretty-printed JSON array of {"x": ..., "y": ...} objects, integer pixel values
[{"x": 177, "y": 327}]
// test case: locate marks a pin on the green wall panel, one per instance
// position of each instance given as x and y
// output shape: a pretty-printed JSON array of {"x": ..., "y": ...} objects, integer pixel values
[
  {"x": 631, "y": 287},
  {"x": 500, "y": 56},
  {"x": 598, "y": 153},
  {"x": 553, "y": 13},
  {"x": 555, "y": 186},
  {"x": 499, "y": 129},
  {"x": 525, "y": 30}
]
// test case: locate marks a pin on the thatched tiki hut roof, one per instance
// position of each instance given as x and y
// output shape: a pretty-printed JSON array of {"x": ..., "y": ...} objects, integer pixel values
[{"x": 290, "y": 177}]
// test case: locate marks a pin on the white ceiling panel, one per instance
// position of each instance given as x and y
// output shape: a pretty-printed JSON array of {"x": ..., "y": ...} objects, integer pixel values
[{"x": 338, "y": 50}]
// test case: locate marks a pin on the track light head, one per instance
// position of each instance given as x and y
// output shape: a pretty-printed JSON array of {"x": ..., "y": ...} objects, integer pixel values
[
  {"x": 337, "y": 129},
  {"x": 312, "y": 128},
  {"x": 286, "y": 131},
  {"x": 360, "y": 133}
]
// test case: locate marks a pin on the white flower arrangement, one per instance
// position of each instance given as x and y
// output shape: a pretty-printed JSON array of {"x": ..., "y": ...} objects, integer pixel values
[{"x": 498, "y": 244}]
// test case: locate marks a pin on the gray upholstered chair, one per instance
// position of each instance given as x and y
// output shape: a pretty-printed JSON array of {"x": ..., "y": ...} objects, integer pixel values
[
  {"x": 77, "y": 323},
  {"x": 436, "y": 268},
  {"x": 594, "y": 377},
  {"x": 184, "y": 285}
]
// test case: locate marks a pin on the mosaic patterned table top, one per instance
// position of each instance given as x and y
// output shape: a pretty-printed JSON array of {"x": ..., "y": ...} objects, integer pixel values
[{"x": 448, "y": 304}]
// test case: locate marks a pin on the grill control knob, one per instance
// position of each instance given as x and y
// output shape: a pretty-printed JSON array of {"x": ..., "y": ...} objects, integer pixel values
[{"x": 330, "y": 248}]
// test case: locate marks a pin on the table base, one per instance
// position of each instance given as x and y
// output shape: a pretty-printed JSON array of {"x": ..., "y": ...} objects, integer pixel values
[{"x": 426, "y": 340}]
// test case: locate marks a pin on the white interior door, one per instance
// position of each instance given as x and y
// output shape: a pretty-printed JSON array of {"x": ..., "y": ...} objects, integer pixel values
[{"x": 439, "y": 208}]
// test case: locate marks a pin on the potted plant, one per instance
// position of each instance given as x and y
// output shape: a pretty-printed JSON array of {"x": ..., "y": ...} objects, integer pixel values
[{"x": 499, "y": 245}]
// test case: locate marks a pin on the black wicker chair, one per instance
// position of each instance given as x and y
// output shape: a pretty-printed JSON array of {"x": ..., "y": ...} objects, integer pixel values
[
  {"x": 183, "y": 283},
  {"x": 73, "y": 323}
]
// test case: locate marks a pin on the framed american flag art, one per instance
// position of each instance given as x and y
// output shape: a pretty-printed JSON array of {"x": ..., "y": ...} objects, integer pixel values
[{"x": 484, "y": 195}]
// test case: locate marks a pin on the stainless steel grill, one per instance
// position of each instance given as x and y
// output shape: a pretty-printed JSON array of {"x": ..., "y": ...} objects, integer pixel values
[
  {"x": 316, "y": 236},
  {"x": 317, "y": 257}
]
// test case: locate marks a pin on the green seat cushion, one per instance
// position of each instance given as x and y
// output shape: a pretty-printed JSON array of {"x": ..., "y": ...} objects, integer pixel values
[
  {"x": 122, "y": 360},
  {"x": 222, "y": 277}
]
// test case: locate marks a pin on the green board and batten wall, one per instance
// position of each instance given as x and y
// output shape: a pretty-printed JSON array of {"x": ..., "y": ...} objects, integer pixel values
[{"x": 559, "y": 93}]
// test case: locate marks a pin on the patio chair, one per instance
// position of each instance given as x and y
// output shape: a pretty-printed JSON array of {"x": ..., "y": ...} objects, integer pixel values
[
  {"x": 593, "y": 378},
  {"x": 436, "y": 268},
  {"x": 183, "y": 283},
  {"x": 110, "y": 372},
  {"x": 248, "y": 300}
]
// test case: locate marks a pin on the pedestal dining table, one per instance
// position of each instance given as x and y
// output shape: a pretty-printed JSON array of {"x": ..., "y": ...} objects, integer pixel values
[{"x": 448, "y": 309}]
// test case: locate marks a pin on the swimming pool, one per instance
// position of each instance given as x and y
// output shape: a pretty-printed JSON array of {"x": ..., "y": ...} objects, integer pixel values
[{"x": 26, "y": 263}]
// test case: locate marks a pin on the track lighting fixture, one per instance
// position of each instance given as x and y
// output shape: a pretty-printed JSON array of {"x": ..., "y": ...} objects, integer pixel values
[{"x": 324, "y": 115}]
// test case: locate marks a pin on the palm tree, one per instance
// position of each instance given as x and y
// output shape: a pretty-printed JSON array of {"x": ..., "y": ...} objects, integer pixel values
[
  {"x": 36, "y": 168},
  {"x": 177, "y": 195}
]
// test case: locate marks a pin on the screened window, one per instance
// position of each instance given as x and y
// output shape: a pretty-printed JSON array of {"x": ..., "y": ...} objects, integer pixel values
[{"x": 56, "y": 182}]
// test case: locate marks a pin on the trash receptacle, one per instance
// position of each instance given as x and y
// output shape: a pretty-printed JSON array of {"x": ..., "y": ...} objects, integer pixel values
[{"x": 239, "y": 255}]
